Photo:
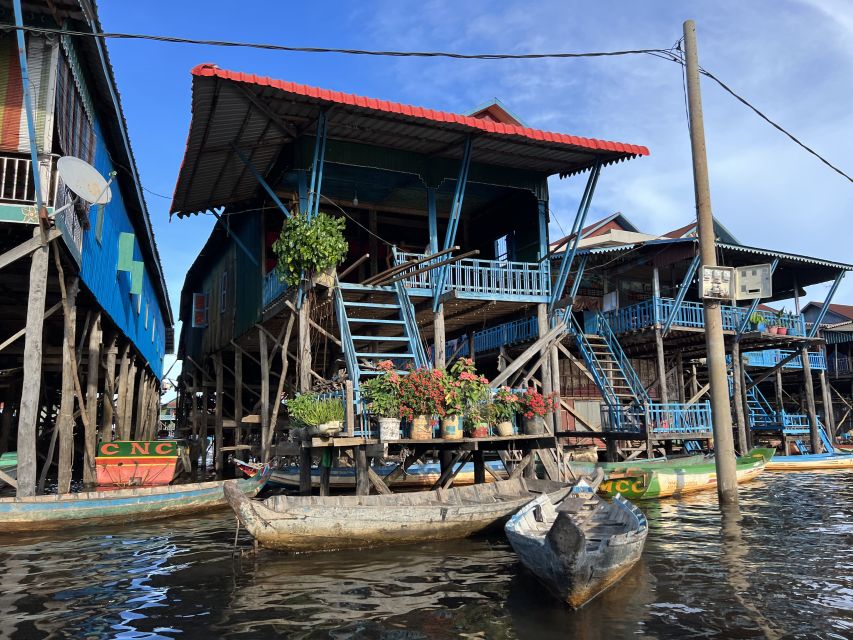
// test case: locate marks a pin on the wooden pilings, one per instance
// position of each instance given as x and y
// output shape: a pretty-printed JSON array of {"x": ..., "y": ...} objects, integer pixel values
[
  {"x": 811, "y": 409},
  {"x": 737, "y": 388},
  {"x": 90, "y": 436},
  {"x": 66, "y": 406},
  {"x": 217, "y": 425}
]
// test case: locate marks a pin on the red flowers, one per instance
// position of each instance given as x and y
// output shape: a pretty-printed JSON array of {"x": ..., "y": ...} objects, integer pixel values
[
  {"x": 422, "y": 392},
  {"x": 532, "y": 403}
]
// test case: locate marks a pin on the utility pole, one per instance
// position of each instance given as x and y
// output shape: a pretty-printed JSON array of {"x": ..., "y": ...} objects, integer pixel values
[{"x": 716, "y": 349}]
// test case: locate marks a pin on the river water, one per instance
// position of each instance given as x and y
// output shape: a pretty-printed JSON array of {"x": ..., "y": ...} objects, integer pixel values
[{"x": 780, "y": 568}]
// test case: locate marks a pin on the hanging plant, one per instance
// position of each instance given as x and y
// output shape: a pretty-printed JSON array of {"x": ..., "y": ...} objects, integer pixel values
[{"x": 309, "y": 246}]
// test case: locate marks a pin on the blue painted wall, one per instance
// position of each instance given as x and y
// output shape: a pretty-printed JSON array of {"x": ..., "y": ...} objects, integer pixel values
[{"x": 112, "y": 287}]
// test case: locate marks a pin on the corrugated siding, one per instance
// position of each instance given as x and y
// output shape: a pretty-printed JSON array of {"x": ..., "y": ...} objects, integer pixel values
[
  {"x": 111, "y": 287},
  {"x": 248, "y": 276}
]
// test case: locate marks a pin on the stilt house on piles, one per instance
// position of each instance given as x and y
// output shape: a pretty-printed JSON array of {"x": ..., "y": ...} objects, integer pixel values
[
  {"x": 84, "y": 314},
  {"x": 455, "y": 206}
]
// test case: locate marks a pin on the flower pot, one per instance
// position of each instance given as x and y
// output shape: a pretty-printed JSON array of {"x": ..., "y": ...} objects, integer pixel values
[
  {"x": 505, "y": 428},
  {"x": 327, "y": 428},
  {"x": 773, "y": 330},
  {"x": 534, "y": 426},
  {"x": 421, "y": 428},
  {"x": 389, "y": 429},
  {"x": 451, "y": 429},
  {"x": 480, "y": 430},
  {"x": 761, "y": 327},
  {"x": 781, "y": 331}
]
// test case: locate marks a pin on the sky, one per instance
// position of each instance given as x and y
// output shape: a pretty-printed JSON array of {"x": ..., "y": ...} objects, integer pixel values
[{"x": 793, "y": 59}]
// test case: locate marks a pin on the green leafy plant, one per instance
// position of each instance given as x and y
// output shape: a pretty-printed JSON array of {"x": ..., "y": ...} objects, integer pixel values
[
  {"x": 505, "y": 404},
  {"x": 382, "y": 392},
  {"x": 464, "y": 388},
  {"x": 309, "y": 410},
  {"x": 757, "y": 318},
  {"x": 309, "y": 246}
]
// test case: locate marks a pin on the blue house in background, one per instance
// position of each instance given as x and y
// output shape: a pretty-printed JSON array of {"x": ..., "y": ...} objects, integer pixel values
[{"x": 120, "y": 325}]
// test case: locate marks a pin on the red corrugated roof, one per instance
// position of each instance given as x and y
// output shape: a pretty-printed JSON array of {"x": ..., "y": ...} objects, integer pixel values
[{"x": 337, "y": 97}]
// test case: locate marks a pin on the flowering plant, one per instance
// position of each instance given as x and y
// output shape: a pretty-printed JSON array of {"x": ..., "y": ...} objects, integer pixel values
[
  {"x": 382, "y": 392},
  {"x": 465, "y": 390},
  {"x": 532, "y": 403},
  {"x": 505, "y": 404},
  {"x": 422, "y": 392}
]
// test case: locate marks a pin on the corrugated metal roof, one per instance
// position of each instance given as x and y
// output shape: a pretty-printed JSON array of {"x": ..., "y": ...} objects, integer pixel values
[
  {"x": 261, "y": 114},
  {"x": 787, "y": 256}
]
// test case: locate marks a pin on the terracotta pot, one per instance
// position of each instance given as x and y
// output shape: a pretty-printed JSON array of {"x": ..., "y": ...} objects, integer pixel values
[
  {"x": 421, "y": 428},
  {"x": 451, "y": 428},
  {"x": 773, "y": 330},
  {"x": 781, "y": 331},
  {"x": 480, "y": 431},
  {"x": 505, "y": 428},
  {"x": 534, "y": 426},
  {"x": 389, "y": 429}
]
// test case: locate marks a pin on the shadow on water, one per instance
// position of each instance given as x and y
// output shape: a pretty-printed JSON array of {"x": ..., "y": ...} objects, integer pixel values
[{"x": 780, "y": 567}]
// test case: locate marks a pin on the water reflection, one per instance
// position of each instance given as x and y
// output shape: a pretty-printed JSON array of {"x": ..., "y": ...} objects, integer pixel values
[{"x": 778, "y": 567}]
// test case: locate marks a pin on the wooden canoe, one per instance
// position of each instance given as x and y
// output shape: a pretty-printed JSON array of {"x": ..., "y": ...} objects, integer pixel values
[
  {"x": 40, "y": 513},
  {"x": 811, "y": 462},
  {"x": 581, "y": 546},
  {"x": 326, "y": 523},
  {"x": 651, "y": 483},
  {"x": 580, "y": 468}
]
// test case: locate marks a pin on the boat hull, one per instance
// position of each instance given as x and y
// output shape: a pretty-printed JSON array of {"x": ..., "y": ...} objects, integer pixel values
[
  {"x": 648, "y": 484},
  {"x": 588, "y": 468},
  {"x": 416, "y": 476},
  {"x": 570, "y": 561},
  {"x": 307, "y": 524},
  {"x": 811, "y": 462},
  {"x": 53, "y": 512},
  {"x": 135, "y": 472}
]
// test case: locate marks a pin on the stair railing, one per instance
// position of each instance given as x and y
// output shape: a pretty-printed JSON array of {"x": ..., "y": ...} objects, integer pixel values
[
  {"x": 347, "y": 344},
  {"x": 407, "y": 314},
  {"x": 593, "y": 364},
  {"x": 622, "y": 360}
]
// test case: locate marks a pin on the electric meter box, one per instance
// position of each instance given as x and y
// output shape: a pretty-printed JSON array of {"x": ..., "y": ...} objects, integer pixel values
[
  {"x": 717, "y": 283},
  {"x": 754, "y": 281}
]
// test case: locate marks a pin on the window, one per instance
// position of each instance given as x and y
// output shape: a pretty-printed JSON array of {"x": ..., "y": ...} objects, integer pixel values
[
  {"x": 223, "y": 292},
  {"x": 502, "y": 248},
  {"x": 199, "y": 310}
]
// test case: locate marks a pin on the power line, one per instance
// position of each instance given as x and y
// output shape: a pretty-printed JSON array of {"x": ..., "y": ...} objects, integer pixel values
[{"x": 356, "y": 52}]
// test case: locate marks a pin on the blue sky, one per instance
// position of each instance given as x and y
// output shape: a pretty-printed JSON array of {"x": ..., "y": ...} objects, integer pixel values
[{"x": 791, "y": 58}]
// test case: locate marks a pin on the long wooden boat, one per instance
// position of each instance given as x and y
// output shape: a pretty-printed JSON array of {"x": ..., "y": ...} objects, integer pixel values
[
  {"x": 417, "y": 475},
  {"x": 843, "y": 447},
  {"x": 811, "y": 462},
  {"x": 582, "y": 468},
  {"x": 325, "y": 523},
  {"x": 137, "y": 463},
  {"x": 651, "y": 483},
  {"x": 580, "y": 546},
  {"x": 61, "y": 511}
]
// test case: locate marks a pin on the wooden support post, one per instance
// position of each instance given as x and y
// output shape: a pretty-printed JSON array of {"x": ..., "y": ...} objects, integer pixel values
[
  {"x": 265, "y": 393},
  {"x": 479, "y": 468},
  {"x": 555, "y": 386},
  {"x": 780, "y": 401},
  {"x": 128, "y": 400},
  {"x": 326, "y": 469},
  {"x": 679, "y": 377},
  {"x": 66, "y": 405},
  {"x": 811, "y": 409},
  {"x": 108, "y": 410},
  {"x": 92, "y": 376},
  {"x": 362, "y": 482},
  {"x": 121, "y": 399},
  {"x": 28, "y": 413},
  {"x": 217, "y": 428},
  {"x": 304, "y": 345},
  {"x": 737, "y": 393},
  {"x": 349, "y": 408},
  {"x": 439, "y": 341},
  {"x": 141, "y": 399},
  {"x": 305, "y": 468},
  {"x": 276, "y": 407},
  {"x": 545, "y": 360},
  {"x": 661, "y": 361},
  {"x": 238, "y": 397},
  {"x": 826, "y": 401}
]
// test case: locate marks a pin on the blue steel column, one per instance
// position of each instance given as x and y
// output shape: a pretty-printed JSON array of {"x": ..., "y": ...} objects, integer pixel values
[
  {"x": 302, "y": 187},
  {"x": 433, "y": 220},
  {"x": 822, "y": 313},
  {"x": 257, "y": 174},
  {"x": 543, "y": 229}
]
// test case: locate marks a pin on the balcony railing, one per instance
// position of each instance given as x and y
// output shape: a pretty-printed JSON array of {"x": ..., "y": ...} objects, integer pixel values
[
  {"x": 672, "y": 419},
  {"x": 274, "y": 288},
  {"x": 494, "y": 278},
  {"x": 689, "y": 314},
  {"x": 840, "y": 365},
  {"x": 772, "y": 357}
]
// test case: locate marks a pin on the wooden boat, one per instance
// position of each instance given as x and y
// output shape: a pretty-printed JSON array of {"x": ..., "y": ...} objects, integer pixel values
[
  {"x": 579, "y": 546},
  {"x": 137, "y": 463},
  {"x": 325, "y": 523},
  {"x": 118, "y": 506},
  {"x": 580, "y": 469},
  {"x": 650, "y": 483},
  {"x": 417, "y": 475},
  {"x": 811, "y": 462}
]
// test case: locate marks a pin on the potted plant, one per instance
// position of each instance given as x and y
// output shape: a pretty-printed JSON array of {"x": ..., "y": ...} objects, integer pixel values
[
  {"x": 321, "y": 416},
  {"x": 504, "y": 405},
  {"x": 382, "y": 394},
  {"x": 534, "y": 406},
  {"x": 422, "y": 393},
  {"x": 781, "y": 330},
  {"x": 758, "y": 321},
  {"x": 464, "y": 391},
  {"x": 310, "y": 248},
  {"x": 478, "y": 418}
]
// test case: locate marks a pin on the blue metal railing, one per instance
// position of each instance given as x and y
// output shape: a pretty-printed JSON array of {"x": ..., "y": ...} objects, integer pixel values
[
  {"x": 840, "y": 365},
  {"x": 680, "y": 418},
  {"x": 274, "y": 288},
  {"x": 509, "y": 333},
  {"x": 596, "y": 369},
  {"x": 622, "y": 360},
  {"x": 690, "y": 314},
  {"x": 494, "y": 277},
  {"x": 772, "y": 357}
]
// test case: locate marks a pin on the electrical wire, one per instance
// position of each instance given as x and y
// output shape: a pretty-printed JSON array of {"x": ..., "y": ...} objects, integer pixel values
[{"x": 339, "y": 208}]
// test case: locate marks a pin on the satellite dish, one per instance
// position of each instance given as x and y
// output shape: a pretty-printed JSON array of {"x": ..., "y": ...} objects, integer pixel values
[{"x": 84, "y": 180}]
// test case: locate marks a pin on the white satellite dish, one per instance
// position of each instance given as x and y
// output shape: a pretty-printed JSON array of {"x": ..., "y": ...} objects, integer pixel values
[{"x": 84, "y": 180}]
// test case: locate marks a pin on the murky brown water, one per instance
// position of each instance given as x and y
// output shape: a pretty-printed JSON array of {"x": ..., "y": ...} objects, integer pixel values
[{"x": 783, "y": 568}]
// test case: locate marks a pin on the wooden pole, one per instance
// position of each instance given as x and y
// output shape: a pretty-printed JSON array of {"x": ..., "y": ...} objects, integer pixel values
[
  {"x": 362, "y": 482},
  {"x": 305, "y": 345},
  {"x": 108, "y": 409},
  {"x": 780, "y": 401},
  {"x": 265, "y": 393},
  {"x": 828, "y": 414},
  {"x": 128, "y": 399},
  {"x": 715, "y": 344},
  {"x": 66, "y": 406},
  {"x": 439, "y": 341},
  {"x": 276, "y": 407},
  {"x": 141, "y": 389},
  {"x": 479, "y": 467},
  {"x": 121, "y": 400},
  {"x": 217, "y": 428},
  {"x": 661, "y": 360},
  {"x": 545, "y": 360},
  {"x": 679, "y": 377},
  {"x": 326, "y": 470},
  {"x": 28, "y": 413},
  {"x": 737, "y": 378},
  {"x": 305, "y": 468},
  {"x": 811, "y": 409},
  {"x": 92, "y": 376},
  {"x": 205, "y": 419},
  {"x": 238, "y": 396}
]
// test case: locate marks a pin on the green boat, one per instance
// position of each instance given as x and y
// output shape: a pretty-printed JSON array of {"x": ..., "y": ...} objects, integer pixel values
[
  {"x": 582, "y": 468},
  {"x": 650, "y": 482}
]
